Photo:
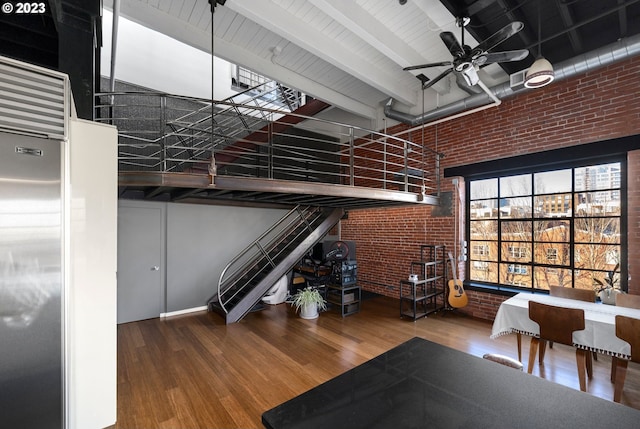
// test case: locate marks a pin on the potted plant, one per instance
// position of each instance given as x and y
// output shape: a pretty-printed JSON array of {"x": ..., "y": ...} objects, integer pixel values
[
  {"x": 608, "y": 287},
  {"x": 308, "y": 301}
]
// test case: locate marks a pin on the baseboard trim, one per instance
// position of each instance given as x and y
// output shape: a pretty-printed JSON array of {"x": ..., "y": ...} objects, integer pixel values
[{"x": 181, "y": 312}]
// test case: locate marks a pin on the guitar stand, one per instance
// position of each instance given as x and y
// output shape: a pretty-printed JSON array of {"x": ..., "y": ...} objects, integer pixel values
[{"x": 448, "y": 308}]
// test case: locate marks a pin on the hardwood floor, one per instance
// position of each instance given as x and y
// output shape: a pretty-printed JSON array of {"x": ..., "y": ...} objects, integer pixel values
[{"x": 194, "y": 371}]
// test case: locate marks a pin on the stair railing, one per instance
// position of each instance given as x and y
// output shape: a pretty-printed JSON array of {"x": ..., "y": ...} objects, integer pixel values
[
  {"x": 162, "y": 132},
  {"x": 261, "y": 246}
]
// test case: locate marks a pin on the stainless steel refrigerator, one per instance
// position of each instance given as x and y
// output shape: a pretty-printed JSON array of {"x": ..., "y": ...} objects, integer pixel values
[{"x": 31, "y": 279}]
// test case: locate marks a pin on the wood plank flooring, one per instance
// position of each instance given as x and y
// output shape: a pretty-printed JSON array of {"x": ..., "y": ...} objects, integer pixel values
[{"x": 193, "y": 371}]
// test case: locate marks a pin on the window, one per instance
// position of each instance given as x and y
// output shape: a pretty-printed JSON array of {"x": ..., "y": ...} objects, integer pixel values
[
  {"x": 517, "y": 269},
  {"x": 253, "y": 84},
  {"x": 482, "y": 266},
  {"x": 517, "y": 252},
  {"x": 480, "y": 250},
  {"x": 246, "y": 78},
  {"x": 560, "y": 227}
]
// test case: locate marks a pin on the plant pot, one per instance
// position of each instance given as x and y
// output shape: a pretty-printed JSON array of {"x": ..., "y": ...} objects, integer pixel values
[
  {"x": 608, "y": 296},
  {"x": 309, "y": 311}
]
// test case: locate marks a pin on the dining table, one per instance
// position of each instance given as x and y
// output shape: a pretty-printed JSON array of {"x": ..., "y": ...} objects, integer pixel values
[
  {"x": 423, "y": 384},
  {"x": 598, "y": 336}
]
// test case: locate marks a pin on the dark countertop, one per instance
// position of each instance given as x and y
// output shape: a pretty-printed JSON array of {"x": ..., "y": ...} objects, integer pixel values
[{"x": 421, "y": 384}]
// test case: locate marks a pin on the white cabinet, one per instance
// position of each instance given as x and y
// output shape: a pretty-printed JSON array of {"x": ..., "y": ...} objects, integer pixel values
[{"x": 90, "y": 274}]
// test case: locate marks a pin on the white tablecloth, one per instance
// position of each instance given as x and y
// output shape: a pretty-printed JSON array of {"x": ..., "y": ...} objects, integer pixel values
[{"x": 599, "y": 333}]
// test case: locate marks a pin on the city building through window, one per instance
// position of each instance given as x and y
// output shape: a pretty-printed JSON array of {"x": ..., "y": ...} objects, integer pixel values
[{"x": 535, "y": 230}]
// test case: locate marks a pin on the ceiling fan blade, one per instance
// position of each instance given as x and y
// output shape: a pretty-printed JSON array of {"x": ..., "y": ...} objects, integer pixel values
[
  {"x": 436, "y": 79},
  {"x": 501, "y": 57},
  {"x": 499, "y": 37},
  {"x": 424, "y": 66},
  {"x": 452, "y": 44}
]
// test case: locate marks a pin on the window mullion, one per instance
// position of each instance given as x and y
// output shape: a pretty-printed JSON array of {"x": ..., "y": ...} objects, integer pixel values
[{"x": 572, "y": 226}]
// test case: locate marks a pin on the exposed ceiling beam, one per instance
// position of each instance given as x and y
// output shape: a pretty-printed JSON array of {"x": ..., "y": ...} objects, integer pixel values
[
  {"x": 622, "y": 18},
  {"x": 164, "y": 23},
  {"x": 568, "y": 21},
  {"x": 478, "y": 6},
  {"x": 200, "y": 39},
  {"x": 280, "y": 21},
  {"x": 376, "y": 34},
  {"x": 243, "y": 57}
]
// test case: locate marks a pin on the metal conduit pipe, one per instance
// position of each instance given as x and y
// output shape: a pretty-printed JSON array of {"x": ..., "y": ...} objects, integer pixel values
[
  {"x": 607, "y": 55},
  {"x": 114, "y": 45}
]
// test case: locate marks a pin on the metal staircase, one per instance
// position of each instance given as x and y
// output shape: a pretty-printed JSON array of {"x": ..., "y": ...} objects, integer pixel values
[
  {"x": 169, "y": 133},
  {"x": 250, "y": 275},
  {"x": 243, "y": 133}
]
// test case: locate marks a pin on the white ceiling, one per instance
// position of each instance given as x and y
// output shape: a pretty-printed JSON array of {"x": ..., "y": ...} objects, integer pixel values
[{"x": 347, "y": 53}]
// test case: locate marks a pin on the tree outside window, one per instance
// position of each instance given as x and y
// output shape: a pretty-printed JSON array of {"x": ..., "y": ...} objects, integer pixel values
[{"x": 560, "y": 227}]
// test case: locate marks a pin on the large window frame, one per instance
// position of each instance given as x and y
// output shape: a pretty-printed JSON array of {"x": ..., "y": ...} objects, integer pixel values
[{"x": 534, "y": 237}]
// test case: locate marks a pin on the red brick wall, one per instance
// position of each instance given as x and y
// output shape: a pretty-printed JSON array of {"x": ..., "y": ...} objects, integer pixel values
[{"x": 599, "y": 105}]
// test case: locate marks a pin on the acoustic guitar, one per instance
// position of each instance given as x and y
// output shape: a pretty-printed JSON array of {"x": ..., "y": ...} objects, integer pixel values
[{"x": 457, "y": 296}]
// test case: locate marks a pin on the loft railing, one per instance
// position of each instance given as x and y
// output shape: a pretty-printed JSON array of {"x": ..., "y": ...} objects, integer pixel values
[{"x": 247, "y": 137}]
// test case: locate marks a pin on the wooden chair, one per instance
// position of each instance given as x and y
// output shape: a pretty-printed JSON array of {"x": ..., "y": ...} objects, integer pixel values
[
  {"x": 564, "y": 292},
  {"x": 626, "y": 300},
  {"x": 573, "y": 293},
  {"x": 629, "y": 301},
  {"x": 557, "y": 324},
  {"x": 627, "y": 329}
]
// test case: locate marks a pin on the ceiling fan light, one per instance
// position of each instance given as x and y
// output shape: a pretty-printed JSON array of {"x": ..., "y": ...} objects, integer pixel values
[
  {"x": 539, "y": 74},
  {"x": 470, "y": 75}
]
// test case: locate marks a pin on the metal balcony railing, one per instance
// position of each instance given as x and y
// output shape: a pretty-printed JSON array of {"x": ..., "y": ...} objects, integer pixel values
[{"x": 252, "y": 135}]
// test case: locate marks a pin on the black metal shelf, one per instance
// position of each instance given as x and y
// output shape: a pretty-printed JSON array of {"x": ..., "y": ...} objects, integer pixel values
[
  {"x": 343, "y": 292},
  {"x": 427, "y": 294},
  {"x": 347, "y": 298}
]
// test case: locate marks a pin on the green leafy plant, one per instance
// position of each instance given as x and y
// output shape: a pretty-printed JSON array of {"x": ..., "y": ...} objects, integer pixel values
[
  {"x": 610, "y": 280},
  {"x": 308, "y": 295}
]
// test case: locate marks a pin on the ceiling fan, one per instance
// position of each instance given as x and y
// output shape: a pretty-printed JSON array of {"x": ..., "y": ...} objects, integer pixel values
[{"x": 467, "y": 61}]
